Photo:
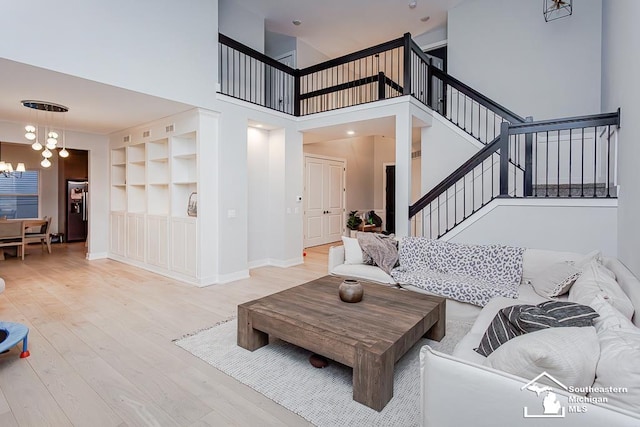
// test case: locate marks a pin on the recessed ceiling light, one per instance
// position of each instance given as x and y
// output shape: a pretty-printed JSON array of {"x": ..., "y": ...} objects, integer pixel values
[
  {"x": 413, "y": 4},
  {"x": 350, "y": 132},
  {"x": 425, "y": 18},
  {"x": 296, "y": 22},
  {"x": 258, "y": 125}
]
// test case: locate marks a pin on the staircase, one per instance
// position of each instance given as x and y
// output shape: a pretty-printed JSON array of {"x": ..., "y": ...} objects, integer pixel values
[{"x": 521, "y": 159}]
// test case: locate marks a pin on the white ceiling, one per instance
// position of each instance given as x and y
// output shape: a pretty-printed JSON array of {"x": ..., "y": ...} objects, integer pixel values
[
  {"x": 101, "y": 109},
  {"x": 352, "y": 24},
  {"x": 93, "y": 107}
]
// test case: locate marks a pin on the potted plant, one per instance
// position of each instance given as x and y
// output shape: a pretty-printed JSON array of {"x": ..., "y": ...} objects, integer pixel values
[{"x": 353, "y": 221}]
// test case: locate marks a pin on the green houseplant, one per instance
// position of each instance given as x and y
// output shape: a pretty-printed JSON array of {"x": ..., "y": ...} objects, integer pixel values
[{"x": 353, "y": 221}]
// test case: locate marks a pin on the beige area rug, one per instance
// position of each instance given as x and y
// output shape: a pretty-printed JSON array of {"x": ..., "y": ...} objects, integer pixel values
[{"x": 282, "y": 372}]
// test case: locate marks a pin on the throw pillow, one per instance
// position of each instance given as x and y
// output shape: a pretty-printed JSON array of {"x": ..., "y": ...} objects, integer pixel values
[
  {"x": 570, "y": 355},
  {"x": 516, "y": 320},
  {"x": 619, "y": 354},
  {"x": 380, "y": 248},
  {"x": 352, "y": 251},
  {"x": 594, "y": 255},
  {"x": 555, "y": 280},
  {"x": 597, "y": 280}
]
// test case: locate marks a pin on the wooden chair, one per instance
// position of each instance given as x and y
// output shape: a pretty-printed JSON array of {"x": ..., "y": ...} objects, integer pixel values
[
  {"x": 11, "y": 234},
  {"x": 36, "y": 231}
]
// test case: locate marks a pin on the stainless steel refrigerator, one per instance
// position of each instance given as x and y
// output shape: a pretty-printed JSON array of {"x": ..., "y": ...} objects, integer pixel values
[{"x": 77, "y": 214}]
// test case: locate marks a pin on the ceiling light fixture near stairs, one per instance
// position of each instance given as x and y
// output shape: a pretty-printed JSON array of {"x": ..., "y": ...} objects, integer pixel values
[
  {"x": 555, "y": 9},
  {"x": 51, "y": 142}
]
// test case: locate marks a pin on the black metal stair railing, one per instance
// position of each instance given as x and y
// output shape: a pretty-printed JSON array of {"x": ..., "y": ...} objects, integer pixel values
[
  {"x": 560, "y": 158},
  {"x": 462, "y": 105}
]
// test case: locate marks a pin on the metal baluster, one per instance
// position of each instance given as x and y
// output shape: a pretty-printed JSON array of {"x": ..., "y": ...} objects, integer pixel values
[
  {"x": 609, "y": 161},
  {"x": 570, "y": 159},
  {"x": 558, "y": 173},
  {"x": 595, "y": 160},
  {"x": 546, "y": 185},
  {"x": 582, "y": 167}
]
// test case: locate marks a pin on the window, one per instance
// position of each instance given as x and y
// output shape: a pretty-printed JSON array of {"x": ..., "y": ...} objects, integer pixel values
[{"x": 19, "y": 196}]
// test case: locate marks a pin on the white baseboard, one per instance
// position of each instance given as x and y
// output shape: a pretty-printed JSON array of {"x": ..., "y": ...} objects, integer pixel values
[
  {"x": 287, "y": 262},
  {"x": 96, "y": 255},
  {"x": 232, "y": 277},
  {"x": 259, "y": 263}
]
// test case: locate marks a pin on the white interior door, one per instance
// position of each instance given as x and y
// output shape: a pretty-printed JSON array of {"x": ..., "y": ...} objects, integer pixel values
[{"x": 324, "y": 200}]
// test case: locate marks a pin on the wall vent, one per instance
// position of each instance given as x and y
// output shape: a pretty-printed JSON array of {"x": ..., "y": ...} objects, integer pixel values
[
  {"x": 416, "y": 154},
  {"x": 146, "y": 134},
  {"x": 127, "y": 138},
  {"x": 169, "y": 128}
]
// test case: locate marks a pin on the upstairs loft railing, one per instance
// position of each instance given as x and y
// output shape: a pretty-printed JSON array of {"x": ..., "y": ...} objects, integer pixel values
[
  {"x": 368, "y": 75},
  {"x": 390, "y": 69},
  {"x": 563, "y": 158}
]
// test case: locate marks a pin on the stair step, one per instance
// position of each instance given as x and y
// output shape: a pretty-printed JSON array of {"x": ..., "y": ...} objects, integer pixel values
[{"x": 573, "y": 190}]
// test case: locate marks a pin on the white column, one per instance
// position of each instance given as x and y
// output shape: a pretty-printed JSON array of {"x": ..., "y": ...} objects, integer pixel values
[{"x": 403, "y": 171}]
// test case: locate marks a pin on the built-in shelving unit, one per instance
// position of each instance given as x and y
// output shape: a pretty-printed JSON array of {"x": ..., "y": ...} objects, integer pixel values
[
  {"x": 119, "y": 179},
  {"x": 184, "y": 172},
  {"x": 158, "y": 177},
  {"x": 152, "y": 179}
]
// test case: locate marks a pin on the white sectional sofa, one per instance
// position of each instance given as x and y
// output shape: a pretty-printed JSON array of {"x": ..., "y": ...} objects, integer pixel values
[{"x": 462, "y": 390}]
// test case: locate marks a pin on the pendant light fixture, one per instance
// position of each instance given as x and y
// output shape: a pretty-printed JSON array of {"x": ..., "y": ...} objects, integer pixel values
[
  {"x": 6, "y": 168},
  {"x": 50, "y": 144}
]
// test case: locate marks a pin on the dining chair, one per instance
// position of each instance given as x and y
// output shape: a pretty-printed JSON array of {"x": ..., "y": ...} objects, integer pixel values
[
  {"x": 11, "y": 233},
  {"x": 36, "y": 231}
]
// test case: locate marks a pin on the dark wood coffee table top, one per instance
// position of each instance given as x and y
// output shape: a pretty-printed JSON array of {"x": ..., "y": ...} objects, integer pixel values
[{"x": 369, "y": 336}]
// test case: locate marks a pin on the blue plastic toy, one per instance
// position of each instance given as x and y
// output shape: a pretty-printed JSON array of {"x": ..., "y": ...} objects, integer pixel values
[{"x": 16, "y": 332}]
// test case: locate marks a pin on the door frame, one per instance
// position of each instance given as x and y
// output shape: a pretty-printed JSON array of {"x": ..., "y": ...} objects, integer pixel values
[
  {"x": 384, "y": 191},
  {"x": 305, "y": 194}
]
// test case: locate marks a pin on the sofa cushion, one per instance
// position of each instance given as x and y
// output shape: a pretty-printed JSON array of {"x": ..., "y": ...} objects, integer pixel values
[
  {"x": 465, "y": 348},
  {"x": 352, "y": 251},
  {"x": 364, "y": 272},
  {"x": 556, "y": 279},
  {"x": 536, "y": 261},
  {"x": 516, "y": 320},
  {"x": 596, "y": 279},
  {"x": 619, "y": 354},
  {"x": 568, "y": 354}
]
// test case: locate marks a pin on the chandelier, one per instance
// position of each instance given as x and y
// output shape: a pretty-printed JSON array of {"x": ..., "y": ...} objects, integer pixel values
[
  {"x": 50, "y": 144},
  {"x": 555, "y": 9},
  {"x": 6, "y": 168}
]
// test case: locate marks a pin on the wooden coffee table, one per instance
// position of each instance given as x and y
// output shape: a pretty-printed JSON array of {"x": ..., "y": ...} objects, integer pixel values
[{"x": 369, "y": 336}]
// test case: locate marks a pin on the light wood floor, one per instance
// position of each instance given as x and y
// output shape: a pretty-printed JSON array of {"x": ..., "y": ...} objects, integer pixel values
[{"x": 101, "y": 344}]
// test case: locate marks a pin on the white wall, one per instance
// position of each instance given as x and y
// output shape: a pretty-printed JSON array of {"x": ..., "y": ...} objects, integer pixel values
[
  {"x": 435, "y": 36},
  {"x": 98, "y": 148},
  {"x": 307, "y": 55},
  {"x": 241, "y": 24},
  {"x": 444, "y": 149},
  {"x": 240, "y": 246},
  {"x": 158, "y": 47},
  {"x": 620, "y": 71},
  {"x": 544, "y": 225},
  {"x": 384, "y": 152},
  {"x": 276, "y": 44},
  {"x": 258, "y": 204},
  {"x": 507, "y": 51}
]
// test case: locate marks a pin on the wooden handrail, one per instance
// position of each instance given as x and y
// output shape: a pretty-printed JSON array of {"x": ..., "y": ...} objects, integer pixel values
[{"x": 228, "y": 41}]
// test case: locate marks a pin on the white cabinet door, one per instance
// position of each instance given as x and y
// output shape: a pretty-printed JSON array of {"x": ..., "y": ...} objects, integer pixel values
[
  {"x": 157, "y": 241},
  {"x": 135, "y": 236},
  {"x": 324, "y": 201},
  {"x": 184, "y": 235},
  {"x": 118, "y": 233}
]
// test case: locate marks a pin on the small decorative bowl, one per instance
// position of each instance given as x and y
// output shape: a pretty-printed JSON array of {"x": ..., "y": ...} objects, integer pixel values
[{"x": 350, "y": 290}]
